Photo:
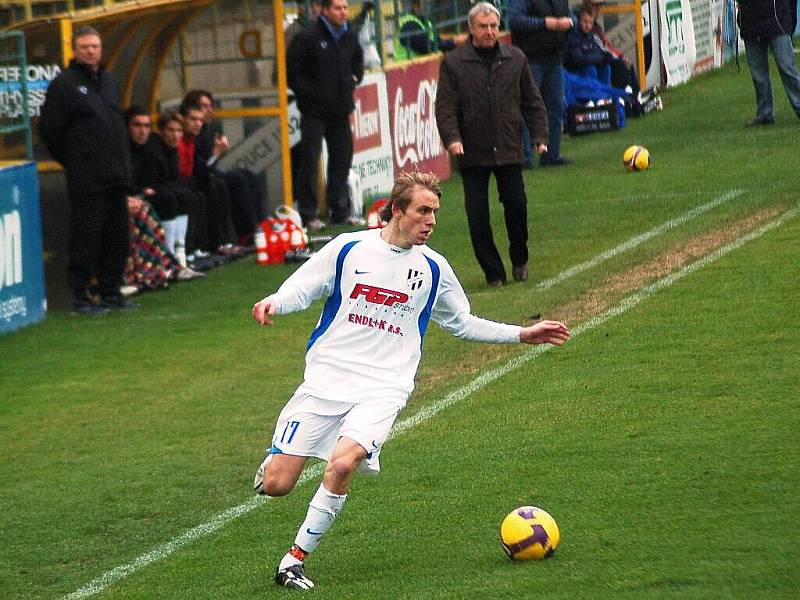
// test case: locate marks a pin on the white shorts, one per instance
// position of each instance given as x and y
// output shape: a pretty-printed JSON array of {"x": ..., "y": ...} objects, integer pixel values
[{"x": 310, "y": 426}]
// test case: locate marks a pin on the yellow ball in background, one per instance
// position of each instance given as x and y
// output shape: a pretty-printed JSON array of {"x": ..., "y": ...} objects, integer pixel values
[
  {"x": 636, "y": 158},
  {"x": 529, "y": 533}
]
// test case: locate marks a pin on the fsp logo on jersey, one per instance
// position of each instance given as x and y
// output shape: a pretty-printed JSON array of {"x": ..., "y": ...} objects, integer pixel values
[{"x": 378, "y": 295}]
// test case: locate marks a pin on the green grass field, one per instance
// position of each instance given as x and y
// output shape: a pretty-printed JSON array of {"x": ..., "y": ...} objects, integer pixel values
[{"x": 664, "y": 439}]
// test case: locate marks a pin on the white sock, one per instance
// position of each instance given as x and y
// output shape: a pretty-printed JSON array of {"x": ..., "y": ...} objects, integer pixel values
[
  {"x": 181, "y": 227},
  {"x": 322, "y": 511},
  {"x": 169, "y": 233}
]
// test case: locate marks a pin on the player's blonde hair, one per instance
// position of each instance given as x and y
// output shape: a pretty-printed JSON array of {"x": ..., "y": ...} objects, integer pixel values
[{"x": 404, "y": 188}]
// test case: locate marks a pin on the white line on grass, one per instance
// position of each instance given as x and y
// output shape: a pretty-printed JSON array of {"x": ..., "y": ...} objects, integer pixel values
[
  {"x": 219, "y": 521},
  {"x": 639, "y": 239}
]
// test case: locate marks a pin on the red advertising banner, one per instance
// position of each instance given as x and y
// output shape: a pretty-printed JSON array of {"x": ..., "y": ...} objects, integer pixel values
[
  {"x": 415, "y": 138},
  {"x": 365, "y": 120}
]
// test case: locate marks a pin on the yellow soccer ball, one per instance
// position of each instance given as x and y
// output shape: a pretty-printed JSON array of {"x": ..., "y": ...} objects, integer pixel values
[
  {"x": 636, "y": 158},
  {"x": 529, "y": 533}
]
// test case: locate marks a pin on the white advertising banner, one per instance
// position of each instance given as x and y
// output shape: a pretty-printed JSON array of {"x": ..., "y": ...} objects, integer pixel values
[
  {"x": 706, "y": 24},
  {"x": 372, "y": 142},
  {"x": 677, "y": 40}
]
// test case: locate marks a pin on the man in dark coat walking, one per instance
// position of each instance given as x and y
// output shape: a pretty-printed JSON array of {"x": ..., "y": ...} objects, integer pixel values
[
  {"x": 325, "y": 63},
  {"x": 485, "y": 91},
  {"x": 769, "y": 25},
  {"x": 83, "y": 129}
]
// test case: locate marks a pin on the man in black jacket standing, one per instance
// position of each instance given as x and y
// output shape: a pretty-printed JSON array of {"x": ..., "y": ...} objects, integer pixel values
[
  {"x": 83, "y": 129},
  {"x": 325, "y": 63},
  {"x": 769, "y": 25},
  {"x": 485, "y": 91}
]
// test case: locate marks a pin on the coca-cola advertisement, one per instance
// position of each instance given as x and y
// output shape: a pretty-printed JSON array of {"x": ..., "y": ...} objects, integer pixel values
[{"x": 415, "y": 138}]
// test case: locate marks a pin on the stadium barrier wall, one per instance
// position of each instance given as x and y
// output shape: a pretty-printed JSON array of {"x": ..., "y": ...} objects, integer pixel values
[{"x": 22, "y": 299}]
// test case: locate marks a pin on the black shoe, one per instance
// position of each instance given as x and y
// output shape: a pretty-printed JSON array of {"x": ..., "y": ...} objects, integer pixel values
[
  {"x": 496, "y": 283},
  {"x": 520, "y": 273},
  {"x": 755, "y": 122},
  {"x": 294, "y": 578},
  {"x": 117, "y": 302},
  {"x": 88, "y": 308},
  {"x": 555, "y": 162}
]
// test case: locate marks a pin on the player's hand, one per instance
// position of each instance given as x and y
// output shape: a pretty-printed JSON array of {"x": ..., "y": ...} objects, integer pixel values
[
  {"x": 456, "y": 148},
  {"x": 545, "y": 332},
  {"x": 540, "y": 148},
  {"x": 564, "y": 23},
  {"x": 263, "y": 310}
]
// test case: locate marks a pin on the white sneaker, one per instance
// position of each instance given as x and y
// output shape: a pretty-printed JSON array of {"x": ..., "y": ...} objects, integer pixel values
[
  {"x": 315, "y": 225},
  {"x": 187, "y": 274},
  {"x": 258, "y": 481}
]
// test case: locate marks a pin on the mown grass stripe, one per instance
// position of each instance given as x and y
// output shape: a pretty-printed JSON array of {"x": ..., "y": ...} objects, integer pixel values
[
  {"x": 163, "y": 551},
  {"x": 640, "y": 239}
]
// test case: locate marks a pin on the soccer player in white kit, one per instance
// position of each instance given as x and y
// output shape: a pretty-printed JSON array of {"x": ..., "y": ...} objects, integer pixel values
[{"x": 383, "y": 287}]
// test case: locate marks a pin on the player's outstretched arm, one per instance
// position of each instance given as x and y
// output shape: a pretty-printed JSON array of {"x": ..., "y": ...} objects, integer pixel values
[
  {"x": 263, "y": 310},
  {"x": 545, "y": 332}
]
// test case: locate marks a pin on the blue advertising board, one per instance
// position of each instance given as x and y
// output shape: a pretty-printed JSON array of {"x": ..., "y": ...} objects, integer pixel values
[{"x": 22, "y": 299}]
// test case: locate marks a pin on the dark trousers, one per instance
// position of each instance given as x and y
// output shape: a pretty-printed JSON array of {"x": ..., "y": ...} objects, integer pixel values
[
  {"x": 247, "y": 207},
  {"x": 165, "y": 202},
  {"x": 212, "y": 220},
  {"x": 511, "y": 189},
  {"x": 98, "y": 241},
  {"x": 218, "y": 214},
  {"x": 339, "y": 139}
]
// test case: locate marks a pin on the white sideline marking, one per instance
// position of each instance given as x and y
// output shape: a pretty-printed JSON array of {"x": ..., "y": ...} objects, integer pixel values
[
  {"x": 639, "y": 239},
  {"x": 164, "y": 550}
]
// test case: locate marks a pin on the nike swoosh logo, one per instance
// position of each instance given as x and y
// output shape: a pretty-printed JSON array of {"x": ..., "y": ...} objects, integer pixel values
[
  {"x": 309, "y": 532},
  {"x": 361, "y": 272}
]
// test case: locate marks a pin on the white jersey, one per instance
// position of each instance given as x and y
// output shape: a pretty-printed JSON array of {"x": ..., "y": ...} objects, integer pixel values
[{"x": 368, "y": 341}]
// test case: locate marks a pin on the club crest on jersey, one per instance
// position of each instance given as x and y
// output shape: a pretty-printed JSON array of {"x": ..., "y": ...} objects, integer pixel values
[
  {"x": 414, "y": 279},
  {"x": 378, "y": 295}
]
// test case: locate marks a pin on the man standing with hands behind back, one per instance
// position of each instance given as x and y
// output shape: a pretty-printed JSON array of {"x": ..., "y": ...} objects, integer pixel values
[
  {"x": 539, "y": 28},
  {"x": 83, "y": 129},
  {"x": 485, "y": 91},
  {"x": 324, "y": 64}
]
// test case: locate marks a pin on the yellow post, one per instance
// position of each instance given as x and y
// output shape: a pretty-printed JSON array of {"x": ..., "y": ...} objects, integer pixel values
[
  {"x": 28, "y": 10},
  {"x": 283, "y": 102},
  {"x": 65, "y": 29}
]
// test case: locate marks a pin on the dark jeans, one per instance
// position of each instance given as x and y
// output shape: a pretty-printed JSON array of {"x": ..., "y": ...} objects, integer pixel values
[
  {"x": 247, "y": 207},
  {"x": 339, "y": 139},
  {"x": 550, "y": 81},
  {"x": 511, "y": 189},
  {"x": 98, "y": 244}
]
